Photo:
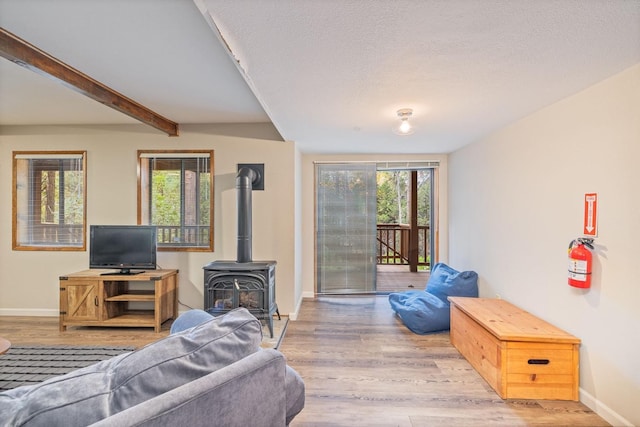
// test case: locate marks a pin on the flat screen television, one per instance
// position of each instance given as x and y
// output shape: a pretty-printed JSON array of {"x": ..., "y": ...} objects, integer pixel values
[{"x": 123, "y": 247}]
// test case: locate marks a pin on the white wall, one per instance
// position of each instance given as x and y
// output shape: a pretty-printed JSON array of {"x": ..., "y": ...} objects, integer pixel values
[
  {"x": 516, "y": 201},
  {"x": 308, "y": 204},
  {"x": 29, "y": 279},
  {"x": 298, "y": 189}
]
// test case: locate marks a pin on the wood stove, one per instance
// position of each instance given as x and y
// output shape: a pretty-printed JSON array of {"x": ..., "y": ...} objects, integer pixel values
[
  {"x": 229, "y": 285},
  {"x": 244, "y": 282}
]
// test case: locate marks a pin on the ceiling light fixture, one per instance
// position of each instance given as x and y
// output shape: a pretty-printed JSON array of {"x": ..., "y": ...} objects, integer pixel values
[{"x": 405, "y": 127}]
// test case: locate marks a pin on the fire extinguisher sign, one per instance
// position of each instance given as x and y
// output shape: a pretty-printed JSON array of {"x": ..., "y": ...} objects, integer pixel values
[{"x": 590, "y": 214}]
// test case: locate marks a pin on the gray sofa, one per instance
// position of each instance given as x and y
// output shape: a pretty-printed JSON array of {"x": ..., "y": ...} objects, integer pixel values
[{"x": 212, "y": 374}]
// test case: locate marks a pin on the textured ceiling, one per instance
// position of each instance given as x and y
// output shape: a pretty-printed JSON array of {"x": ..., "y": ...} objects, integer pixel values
[
  {"x": 329, "y": 74},
  {"x": 332, "y": 74}
]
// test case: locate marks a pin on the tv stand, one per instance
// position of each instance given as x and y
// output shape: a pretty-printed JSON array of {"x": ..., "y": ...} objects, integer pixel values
[
  {"x": 123, "y": 272},
  {"x": 106, "y": 298}
]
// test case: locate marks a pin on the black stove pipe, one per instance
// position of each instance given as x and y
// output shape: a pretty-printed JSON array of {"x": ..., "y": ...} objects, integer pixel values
[{"x": 244, "y": 185}]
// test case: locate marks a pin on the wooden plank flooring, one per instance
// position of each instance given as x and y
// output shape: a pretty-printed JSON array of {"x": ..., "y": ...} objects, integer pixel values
[
  {"x": 363, "y": 367},
  {"x": 22, "y": 330}
]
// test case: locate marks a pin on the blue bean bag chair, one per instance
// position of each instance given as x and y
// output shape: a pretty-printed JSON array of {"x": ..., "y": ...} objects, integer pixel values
[{"x": 427, "y": 311}]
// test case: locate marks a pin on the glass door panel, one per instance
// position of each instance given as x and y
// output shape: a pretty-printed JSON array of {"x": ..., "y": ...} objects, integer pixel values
[{"x": 346, "y": 228}]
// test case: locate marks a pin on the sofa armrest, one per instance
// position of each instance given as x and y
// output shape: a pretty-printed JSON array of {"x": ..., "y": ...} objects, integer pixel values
[{"x": 248, "y": 391}]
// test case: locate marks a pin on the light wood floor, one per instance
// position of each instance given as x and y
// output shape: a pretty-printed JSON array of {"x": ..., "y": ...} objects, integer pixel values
[
  {"x": 361, "y": 367},
  {"x": 45, "y": 331}
]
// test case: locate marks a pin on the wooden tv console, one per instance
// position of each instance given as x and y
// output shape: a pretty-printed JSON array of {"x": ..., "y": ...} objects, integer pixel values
[
  {"x": 93, "y": 298},
  {"x": 518, "y": 354}
]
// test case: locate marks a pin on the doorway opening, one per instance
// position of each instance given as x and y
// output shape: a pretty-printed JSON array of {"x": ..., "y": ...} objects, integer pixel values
[
  {"x": 375, "y": 226},
  {"x": 404, "y": 231}
]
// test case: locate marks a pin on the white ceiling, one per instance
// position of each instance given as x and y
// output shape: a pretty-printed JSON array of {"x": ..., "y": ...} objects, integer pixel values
[{"x": 329, "y": 74}]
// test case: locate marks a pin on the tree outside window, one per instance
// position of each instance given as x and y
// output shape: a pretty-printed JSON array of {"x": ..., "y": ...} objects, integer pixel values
[
  {"x": 393, "y": 193},
  {"x": 49, "y": 200},
  {"x": 175, "y": 193}
]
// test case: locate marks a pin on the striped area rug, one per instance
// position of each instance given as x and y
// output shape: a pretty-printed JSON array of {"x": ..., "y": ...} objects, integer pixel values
[{"x": 28, "y": 365}]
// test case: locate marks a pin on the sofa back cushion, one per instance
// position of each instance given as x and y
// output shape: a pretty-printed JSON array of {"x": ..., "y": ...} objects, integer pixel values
[{"x": 98, "y": 391}]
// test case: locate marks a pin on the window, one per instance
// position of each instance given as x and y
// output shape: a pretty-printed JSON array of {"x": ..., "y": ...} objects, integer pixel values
[
  {"x": 49, "y": 200},
  {"x": 175, "y": 193}
]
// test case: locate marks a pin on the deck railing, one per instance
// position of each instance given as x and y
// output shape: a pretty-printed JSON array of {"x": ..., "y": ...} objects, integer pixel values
[
  {"x": 58, "y": 234},
  {"x": 186, "y": 234},
  {"x": 393, "y": 244},
  {"x": 392, "y": 239}
]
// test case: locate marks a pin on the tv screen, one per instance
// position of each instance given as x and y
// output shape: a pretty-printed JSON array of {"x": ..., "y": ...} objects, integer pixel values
[{"x": 123, "y": 247}]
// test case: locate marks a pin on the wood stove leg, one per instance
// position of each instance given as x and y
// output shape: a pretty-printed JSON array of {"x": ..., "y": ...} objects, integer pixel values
[
  {"x": 270, "y": 320},
  {"x": 270, "y": 323}
]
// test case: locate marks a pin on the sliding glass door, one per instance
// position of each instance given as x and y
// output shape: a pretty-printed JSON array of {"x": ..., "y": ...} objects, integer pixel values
[{"x": 346, "y": 228}]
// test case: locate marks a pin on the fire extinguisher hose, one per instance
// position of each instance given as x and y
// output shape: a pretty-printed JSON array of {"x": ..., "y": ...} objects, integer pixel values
[{"x": 588, "y": 242}]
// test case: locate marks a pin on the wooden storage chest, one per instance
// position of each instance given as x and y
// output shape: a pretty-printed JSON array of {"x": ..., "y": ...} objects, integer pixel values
[{"x": 518, "y": 354}]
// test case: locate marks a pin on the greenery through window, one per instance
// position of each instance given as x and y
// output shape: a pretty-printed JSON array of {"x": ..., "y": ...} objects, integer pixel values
[
  {"x": 49, "y": 200},
  {"x": 394, "y": 191},
  {"x": 393, "y": 196},
  {"x": 175, "y": 193}
]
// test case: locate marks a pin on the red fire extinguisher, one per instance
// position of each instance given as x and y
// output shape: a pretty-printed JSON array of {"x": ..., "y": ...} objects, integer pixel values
[{"x": 580, "y": 262}]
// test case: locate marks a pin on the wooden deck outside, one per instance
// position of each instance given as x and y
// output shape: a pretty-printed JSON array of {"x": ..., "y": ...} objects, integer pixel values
[{"x": 398, "y": 278}]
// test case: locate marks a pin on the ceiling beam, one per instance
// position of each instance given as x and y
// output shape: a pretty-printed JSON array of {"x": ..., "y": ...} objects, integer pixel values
[{"x": 26, "y": 55}]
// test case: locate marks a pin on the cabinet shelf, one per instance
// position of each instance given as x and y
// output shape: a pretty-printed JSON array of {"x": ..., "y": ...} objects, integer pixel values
[
  {"x": 134, "y": 296},
  {"x": 132, "y": 318}
]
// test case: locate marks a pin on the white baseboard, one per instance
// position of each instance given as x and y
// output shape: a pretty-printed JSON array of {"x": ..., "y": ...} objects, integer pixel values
[
  {"x": 36, "y": 312},
  {"x": 603, "y": 410},
  {"x": 294, "y": 315}
]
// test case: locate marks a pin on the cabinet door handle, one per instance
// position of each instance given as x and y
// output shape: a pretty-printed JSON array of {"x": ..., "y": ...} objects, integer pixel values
[
  {"x": 95, "y": 301},
  {"x": 538, "y": 361}
]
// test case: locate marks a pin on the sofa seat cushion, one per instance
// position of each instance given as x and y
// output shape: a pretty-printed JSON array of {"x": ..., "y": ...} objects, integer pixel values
[
  {"x": 100, "y": 390},
  {"x": 428, "y": 311}
]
